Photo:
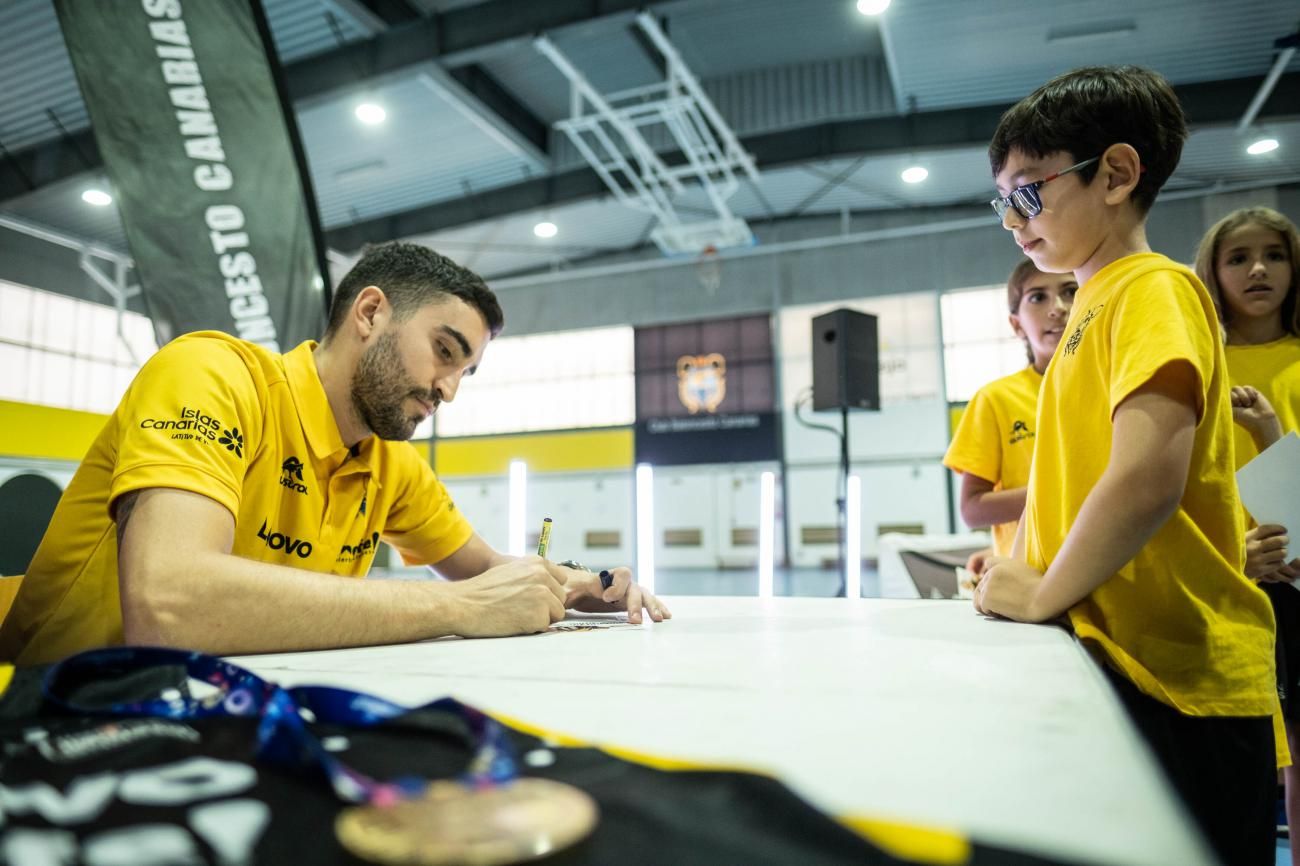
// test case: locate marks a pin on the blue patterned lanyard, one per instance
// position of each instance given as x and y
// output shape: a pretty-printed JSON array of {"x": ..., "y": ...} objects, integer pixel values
[{"x": 282, "y": 733}]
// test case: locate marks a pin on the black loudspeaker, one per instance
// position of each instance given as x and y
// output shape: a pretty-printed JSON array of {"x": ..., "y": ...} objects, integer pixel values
[{"x": 846, "y": 361}]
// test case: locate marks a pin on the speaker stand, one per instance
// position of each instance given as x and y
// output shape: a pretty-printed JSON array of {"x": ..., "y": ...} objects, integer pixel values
[{"x": 842, "y": 503}]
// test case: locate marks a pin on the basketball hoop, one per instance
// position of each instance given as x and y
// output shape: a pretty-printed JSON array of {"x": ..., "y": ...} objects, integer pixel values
[{"x": 708, "y": 269}]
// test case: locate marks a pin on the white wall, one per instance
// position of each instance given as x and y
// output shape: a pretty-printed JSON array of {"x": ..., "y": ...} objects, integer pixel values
[{"x": 575, "y": 502}]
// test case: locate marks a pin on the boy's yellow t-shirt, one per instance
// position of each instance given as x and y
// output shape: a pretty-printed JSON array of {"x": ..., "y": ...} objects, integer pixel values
[
  {"x": 253, "y": 431},
  {"x": 1180, "y": 620},
  {"x": 1274, "y": 369},
  {"x": 995, "y": 439}
]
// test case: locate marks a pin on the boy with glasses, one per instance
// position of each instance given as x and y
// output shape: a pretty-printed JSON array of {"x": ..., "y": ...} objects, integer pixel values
[{"x": 1131, "y": 524}]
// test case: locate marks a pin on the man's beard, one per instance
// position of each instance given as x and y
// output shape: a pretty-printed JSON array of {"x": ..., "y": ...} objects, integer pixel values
[{"x": 377, "y": 395}]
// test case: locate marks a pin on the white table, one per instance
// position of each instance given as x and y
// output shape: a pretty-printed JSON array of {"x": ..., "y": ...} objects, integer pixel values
[{"x": 915, "y": 710}]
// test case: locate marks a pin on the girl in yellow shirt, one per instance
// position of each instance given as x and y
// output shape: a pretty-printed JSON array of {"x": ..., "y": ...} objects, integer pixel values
[
  {"x": 1248, "y": 261},
  {"x": 994, "y": 442}
]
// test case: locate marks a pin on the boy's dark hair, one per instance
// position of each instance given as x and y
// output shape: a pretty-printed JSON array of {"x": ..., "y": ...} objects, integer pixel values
[
  {"x": 412, "y": 276},
  {"x": 1086, "y": 111}
]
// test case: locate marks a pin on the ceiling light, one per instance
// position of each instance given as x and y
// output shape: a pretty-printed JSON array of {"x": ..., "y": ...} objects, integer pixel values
[
  {"x": 368, "y": 112},
  {"x": 914, "y": 174},
  {"x": 97, "y": 197},
  {"x": 1264, "y": 145},
  {"x": 872, "y": 7},
  {"x": 545, "y": 229}
]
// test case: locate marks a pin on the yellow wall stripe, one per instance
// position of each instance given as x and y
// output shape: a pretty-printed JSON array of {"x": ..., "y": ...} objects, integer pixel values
[
  {"x": 543, "y": 452},
  {"x": 28, "y": 430}
]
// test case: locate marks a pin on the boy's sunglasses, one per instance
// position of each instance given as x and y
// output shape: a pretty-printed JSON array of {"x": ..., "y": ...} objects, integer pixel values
[{"x": 1026, "y": 200}]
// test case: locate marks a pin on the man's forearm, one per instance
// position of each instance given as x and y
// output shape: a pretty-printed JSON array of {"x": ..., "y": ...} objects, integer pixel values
[
  {"x": 1117, "y": 519},
  {"x": 233, "y": 605}
]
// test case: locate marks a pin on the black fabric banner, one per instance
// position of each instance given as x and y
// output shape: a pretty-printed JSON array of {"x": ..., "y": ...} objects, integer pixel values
[
  {"x": 705, "y": 393},
  {"x": 205, "y": 164}
]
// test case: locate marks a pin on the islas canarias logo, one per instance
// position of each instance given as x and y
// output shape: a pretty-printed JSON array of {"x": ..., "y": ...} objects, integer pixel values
[{"x": 701, "y": 382}]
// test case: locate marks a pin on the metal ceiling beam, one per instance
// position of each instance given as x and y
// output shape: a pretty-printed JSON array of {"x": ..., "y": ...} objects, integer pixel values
[
  {"x": 26, "y": 170},
  {"x": 377, "y": 15},
  {"x": 1214, "y": 102},
  {"x": 487, "y": 91},
  {"x": 456, "y": 37},
  {"x": 1208, "y": 103}
]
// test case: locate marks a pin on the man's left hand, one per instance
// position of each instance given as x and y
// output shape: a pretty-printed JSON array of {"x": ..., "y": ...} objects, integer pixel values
[
  {"x": 583, "y": 592},
  {"x": 1008, "y": 588}
]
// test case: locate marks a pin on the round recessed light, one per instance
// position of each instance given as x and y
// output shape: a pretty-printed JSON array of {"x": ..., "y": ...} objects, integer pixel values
[
  {"x": 97, "y": 197},
  {"x": 872, "y": 7},
  {"x": 545, "y": 229},
  {"x": 914, "y": 174},
  {"x": 368, "y": 112},
  {"x": 1264, "y": 145}
]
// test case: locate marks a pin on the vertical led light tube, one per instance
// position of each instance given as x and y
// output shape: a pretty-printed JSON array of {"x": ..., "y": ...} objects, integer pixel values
[
  {"x": 518, "y": 512},
  {"x": 645, "y": 526},
  {"x": 766, "y": 532},
  {"x": 853, "y": 539}
]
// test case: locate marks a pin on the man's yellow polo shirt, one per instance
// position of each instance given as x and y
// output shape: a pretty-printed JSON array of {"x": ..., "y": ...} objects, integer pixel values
[
  {"x": 995, "y": 440},
  {"x": 252, "y": 430},
  {"x": 1180, "y": 620}
]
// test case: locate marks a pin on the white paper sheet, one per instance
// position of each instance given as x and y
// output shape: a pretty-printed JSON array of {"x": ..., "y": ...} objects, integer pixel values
[
  {"x": 1270, "y": 486},
  {"x": 579, "y": 621}
]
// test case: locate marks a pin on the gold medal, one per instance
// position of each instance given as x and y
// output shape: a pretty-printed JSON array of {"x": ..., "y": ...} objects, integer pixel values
[{"x": 451, "y": 824}]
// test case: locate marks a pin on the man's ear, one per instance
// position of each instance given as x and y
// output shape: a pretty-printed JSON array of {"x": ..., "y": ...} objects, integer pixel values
[
  {"x": 370, "y": 310},
  {"x": 1121, "y": 169}
]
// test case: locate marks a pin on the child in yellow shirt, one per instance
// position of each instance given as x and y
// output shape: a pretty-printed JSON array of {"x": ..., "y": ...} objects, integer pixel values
[
  {"x": 1132, "y": 521},
  {"x": 1248, "y": 261},
  {"x": 994, "y": 443}
]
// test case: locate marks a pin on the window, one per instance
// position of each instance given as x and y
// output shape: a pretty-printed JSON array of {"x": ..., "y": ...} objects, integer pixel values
[
  {"x": 546, "y": 382},
  {"x": 978, "y": 343},
  {"x": 60, "y": 351}
]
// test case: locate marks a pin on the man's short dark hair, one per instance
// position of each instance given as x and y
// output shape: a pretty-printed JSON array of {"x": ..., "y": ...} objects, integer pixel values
[
  {"x": 411, "y": 276},
  {"x": 1086, "y": 111}
]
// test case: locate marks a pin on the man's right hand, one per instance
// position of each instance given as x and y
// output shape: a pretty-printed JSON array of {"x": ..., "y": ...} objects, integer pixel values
[
  {"x": 975, "y": 562},
  {"x": 521, "y": 596}
]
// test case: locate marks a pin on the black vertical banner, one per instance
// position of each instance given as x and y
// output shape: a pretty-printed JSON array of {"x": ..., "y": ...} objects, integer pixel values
[
  {"x": 205, "y": 163},
  {"x": 705, "y": 392}
]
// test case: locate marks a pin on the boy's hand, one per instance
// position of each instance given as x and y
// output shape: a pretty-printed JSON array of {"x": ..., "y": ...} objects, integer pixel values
[
  {"x": 1008, "y": 588},
  {"x": 975, "y": 562},
  {"x": 1266, "y": 553},
  {"x": 1252, "y": 411},
  {"x": 1286, "y": 574}
]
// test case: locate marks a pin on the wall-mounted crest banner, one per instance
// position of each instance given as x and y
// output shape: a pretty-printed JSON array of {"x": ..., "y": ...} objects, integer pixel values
[
  {"x": 206, "y": 168},
  {"x": 705, "y": 392}
]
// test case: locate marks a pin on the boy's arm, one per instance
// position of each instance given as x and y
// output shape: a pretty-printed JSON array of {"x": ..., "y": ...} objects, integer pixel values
[
  {"x": 1153, "y": 433},
  {"x": 981, "y": 505}
]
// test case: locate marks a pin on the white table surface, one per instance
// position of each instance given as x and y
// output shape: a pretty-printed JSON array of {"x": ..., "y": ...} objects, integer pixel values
[{"x": 915, "y": 710}]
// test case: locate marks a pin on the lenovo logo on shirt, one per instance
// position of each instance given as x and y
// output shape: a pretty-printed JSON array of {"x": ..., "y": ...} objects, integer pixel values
[{"x": 287, "y": 543}]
